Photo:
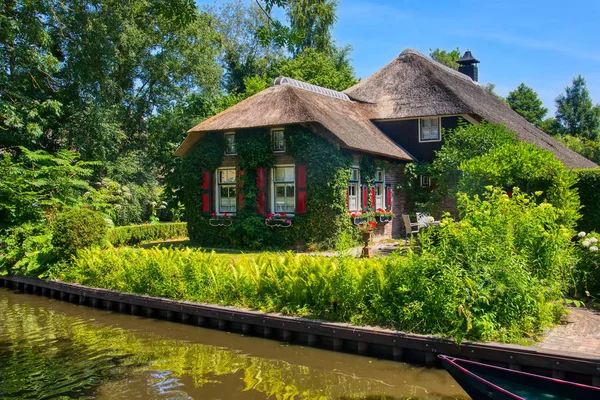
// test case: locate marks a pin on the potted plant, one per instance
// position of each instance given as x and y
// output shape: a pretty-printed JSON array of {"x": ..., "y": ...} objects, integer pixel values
[
  {"x": 220, "y": 220},
  {"x": 384, "y": 216},
  {"x": 278, "y": 220},
  {"x": 366, "y": 228}
]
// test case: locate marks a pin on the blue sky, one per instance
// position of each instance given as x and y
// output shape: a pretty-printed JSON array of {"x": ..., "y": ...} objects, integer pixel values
[{"x": 542, "y": 43}]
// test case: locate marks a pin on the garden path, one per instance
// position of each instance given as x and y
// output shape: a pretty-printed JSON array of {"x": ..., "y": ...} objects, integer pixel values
[{"x": 580, "y": 333}]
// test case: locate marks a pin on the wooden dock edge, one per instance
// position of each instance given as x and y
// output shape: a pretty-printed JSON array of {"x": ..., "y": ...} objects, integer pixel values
[{"x": 380, "y": 343}]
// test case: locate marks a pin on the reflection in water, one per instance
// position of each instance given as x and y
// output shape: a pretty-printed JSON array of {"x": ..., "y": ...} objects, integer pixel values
[{"x": 50, "y": 350}]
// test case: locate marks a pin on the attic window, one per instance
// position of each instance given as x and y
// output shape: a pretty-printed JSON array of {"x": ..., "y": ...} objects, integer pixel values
[
  {"x": 278, "y": 140},
  {"x": 230, "y": 143},
  {"x": 430, "y": 130}
]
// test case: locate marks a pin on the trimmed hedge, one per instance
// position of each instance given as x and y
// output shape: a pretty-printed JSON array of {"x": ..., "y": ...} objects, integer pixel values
[
  {"x": 589, "y": 196},
  {"x": 134, "y": 234}
]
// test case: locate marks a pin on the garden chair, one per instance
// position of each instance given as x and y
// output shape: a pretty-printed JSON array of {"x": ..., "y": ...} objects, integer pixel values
[{"x": 411, "y": 228}]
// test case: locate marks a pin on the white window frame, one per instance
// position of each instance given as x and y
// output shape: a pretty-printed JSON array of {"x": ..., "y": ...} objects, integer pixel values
[
  {"x": 380, "y": 183},
  {"x": 274, "y": 183},
  {"x": 218, "y": 190},
  {"x": 273, "y": 143},
  {"x": 439, "y": 139},
  {"x": 355, "y": 183},
  {"x": 424, "y": 181},
  {"x": 227, "y": 153}
]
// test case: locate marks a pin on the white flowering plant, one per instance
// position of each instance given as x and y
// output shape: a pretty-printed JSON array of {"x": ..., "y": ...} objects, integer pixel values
[{"x": 588, "y": 266}]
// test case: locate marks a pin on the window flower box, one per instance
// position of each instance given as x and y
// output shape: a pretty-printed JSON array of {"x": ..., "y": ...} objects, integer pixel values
[
  {"x": 384, "y": 216},
  {"x": 278, "y": 220},
  {"x": 220, "y": 220}
]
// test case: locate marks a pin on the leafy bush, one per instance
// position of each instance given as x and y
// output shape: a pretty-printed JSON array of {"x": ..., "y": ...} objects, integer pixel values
[
  {"x": 134, "y": 234},
  {"x": 589, "y": 194},
  {"x": 77, "y": 229},
  {"x": 26, "y": 249},
  {"x": 498, "y": 274},
  {"x": 37, "y": 184}
]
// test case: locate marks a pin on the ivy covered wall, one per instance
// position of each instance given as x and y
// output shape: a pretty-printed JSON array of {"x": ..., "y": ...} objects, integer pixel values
[{"x": 325, "y": 222}]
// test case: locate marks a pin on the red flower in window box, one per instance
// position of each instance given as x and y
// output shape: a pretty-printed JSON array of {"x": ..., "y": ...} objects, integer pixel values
[
  {"x": 214, "y": 214},
  {"x": 282, "y": 214}
]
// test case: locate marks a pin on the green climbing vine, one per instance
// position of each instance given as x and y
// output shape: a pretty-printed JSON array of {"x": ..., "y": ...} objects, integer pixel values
[{"x": 323, "y": 225}]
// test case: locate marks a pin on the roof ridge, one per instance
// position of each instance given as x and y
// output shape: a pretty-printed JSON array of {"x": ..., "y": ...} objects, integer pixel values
[
  {"x": 287, "y": 81},
  {"x": 408, "y": 51}
]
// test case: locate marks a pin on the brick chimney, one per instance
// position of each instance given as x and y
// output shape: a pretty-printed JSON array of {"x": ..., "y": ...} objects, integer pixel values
[{"x": 468, "y": 65}]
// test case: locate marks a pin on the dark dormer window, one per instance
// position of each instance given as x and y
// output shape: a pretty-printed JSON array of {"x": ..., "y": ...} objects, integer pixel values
[
  {"x": 278, "y": 140},
  {"x": 430, "y": 130},
  {"x": 230, "y": 143}
]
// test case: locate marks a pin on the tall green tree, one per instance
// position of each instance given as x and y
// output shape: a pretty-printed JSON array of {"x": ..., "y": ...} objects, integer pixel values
[
  {"x": 308, "y": 24},
  {"x": 447, "y": 58},
  {"x": 526, "y": 102},
  {"x": 243, "y": 53},
  {"x": 575, "y": 112},
  {"x": 29, "y": 59}
]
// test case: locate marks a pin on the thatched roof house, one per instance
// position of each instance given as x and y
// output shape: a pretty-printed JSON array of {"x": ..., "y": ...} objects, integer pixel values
[{"x": 412, "y": 86}]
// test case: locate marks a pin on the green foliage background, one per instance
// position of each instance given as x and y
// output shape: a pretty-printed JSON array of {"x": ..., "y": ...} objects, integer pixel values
[{"x": 497, "y": 274}]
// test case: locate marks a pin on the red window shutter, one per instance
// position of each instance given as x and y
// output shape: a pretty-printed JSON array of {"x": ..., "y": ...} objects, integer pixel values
[
  {"x": 373, "y": 197},
  {"x": 388, "y": 197},
  {"x": 206, "y": 203},
  {"x": 364, "y": 198},
  {"x": 205, "y": 180},
  {"x": 301, "y": 195},
  {"x": 260, "y": 185},
  {"x": 206, "y": 193}
]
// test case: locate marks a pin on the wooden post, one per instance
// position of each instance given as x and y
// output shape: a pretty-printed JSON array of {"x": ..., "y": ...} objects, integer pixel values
[
  {"x": 122, "y": 308},
  {"x": 267, "y": 332},
  {"x": 185, "y": 318},
  {"x": 338, "y": 344},
  {"x": 245, "y": 329},
  {"x": 312, "y": 339},
  {"x": 133, "y": 310},
  {"x": 430, "y": 359},
  {"x": 363, "y": 347},
  {"x": 286, "y": 335},
  {"x": 108, "y": 305},
  {"x": 397, "y": 353},
  {"x": 222, "y": 324}
]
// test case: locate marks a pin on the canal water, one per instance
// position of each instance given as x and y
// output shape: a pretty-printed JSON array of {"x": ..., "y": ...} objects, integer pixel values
[{"x": 55, "y": 350}]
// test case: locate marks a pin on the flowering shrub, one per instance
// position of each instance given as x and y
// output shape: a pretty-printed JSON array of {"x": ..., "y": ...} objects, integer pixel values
[{"x": 588, "y": 267}]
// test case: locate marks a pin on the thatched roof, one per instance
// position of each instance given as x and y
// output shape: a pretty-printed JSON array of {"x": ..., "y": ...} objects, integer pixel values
[
  {"x": 413, "y": 85},
  {"x": 348, "y": 121}
]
